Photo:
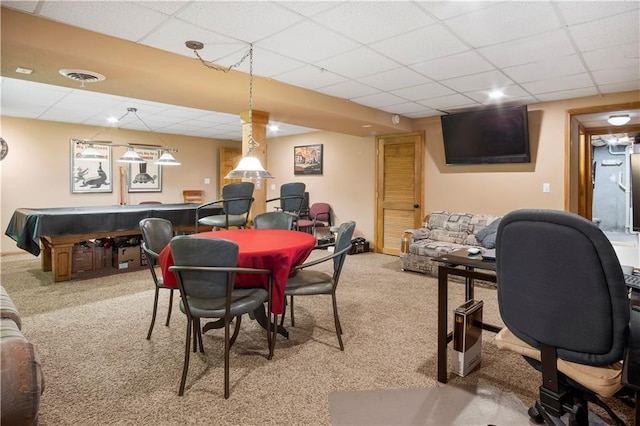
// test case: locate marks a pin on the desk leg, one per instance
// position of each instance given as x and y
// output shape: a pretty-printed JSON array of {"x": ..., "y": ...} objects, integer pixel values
[
  {"x": 442, "y": 324},
  {"x": 469, "y": 286}
]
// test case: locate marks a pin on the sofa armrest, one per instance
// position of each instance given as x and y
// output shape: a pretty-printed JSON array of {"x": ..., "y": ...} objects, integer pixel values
[{"x": 407, "y": 237}]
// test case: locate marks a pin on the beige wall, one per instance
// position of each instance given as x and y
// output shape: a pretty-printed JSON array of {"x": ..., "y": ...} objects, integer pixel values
[{"x": 36, "y": 171}]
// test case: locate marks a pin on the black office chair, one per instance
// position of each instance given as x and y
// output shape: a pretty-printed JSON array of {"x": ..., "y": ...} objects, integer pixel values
[
  {"x": 292, "y": 197},
  {"x": 273, "y": 220},
  {"x": 206, "y": 269},
  {"x": 308, "y": 282},
  {"x": 236, "y": 202},
  {"x": 156, "y": 234},
  {"x": 563, "y": 299}
]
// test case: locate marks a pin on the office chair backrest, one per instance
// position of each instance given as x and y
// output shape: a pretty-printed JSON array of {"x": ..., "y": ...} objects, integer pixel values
[
  {"x": 320, "y": 211},
  {"x": 273, "y": 220},
  {"x": 561, "y": 283},
  {"x": 156, "y": 233},
  {"x": 238, "y": 190},
  {"x": 292, "y": 196},
  {"x": 343, "y": 241},
  {"x": 190, "y": 250}
]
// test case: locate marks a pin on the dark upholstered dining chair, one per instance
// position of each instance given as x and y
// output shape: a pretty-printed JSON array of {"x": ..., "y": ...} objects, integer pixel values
[
  {"x": 273, "y": 220},
  {"x": 205, "y": 269},
  {"x": 307, "y": 281},
  {"x": 236, "y": 202},
  {"x": 565, "y": 304},
  {"x": 319, "y": 216},
  {"x": 292, "y": 197},
  {"x": 156, "y": 234}
]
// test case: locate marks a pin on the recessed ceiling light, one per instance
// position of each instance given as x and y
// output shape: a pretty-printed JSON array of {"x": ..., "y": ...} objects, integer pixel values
[
  {"x": 618, "y": 119},
  {"x": 366, "y": 125},
  {"x": 112, "y": 119},
  {"x": 273, "y": 127},
  {"x": 496, "y": 94},
  {"x": 21, "y": 70}
]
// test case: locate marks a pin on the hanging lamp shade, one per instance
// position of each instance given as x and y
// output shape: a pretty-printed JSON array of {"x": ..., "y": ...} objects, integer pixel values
[
  {"x": 92, "y": 154},
  {"x": 131, "y": 156},
  {"x": 166, "y": 159},
  {"x": 249, "y": 167}
]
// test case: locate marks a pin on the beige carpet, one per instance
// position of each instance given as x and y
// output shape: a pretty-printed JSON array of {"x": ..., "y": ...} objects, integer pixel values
[{"x": 100, "y": 369}]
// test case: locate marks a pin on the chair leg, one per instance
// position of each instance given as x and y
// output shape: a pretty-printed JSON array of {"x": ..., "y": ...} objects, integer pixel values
[
  {"x": 170, "y": 305},
  {"x": 293, "y": 320},
  {"x": 284, "y": 311},
  {"x": 195, "y": 323},
  {"x": 337, "y": 320},
  {"x": 153, "y": 315},
  {"x": 236, "y": 330},
  {"x": 226, "y": 358},
  {"x": 271, "y": 336},
  {"x": 187, "y": 351}
]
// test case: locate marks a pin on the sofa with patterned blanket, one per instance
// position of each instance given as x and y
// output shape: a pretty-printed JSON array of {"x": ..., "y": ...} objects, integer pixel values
[{"x": 443, "y": 232}]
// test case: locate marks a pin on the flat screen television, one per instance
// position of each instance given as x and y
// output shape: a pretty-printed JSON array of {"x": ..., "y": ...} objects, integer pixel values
[{"x": 499, "y": 135}]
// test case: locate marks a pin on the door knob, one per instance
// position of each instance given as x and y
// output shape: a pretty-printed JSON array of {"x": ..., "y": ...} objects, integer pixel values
[{"x": 415, "y": 206}]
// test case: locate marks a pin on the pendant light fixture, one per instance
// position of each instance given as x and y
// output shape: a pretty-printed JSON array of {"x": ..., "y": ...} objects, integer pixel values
[
  {"x": 131, "y": 156},
  {"x": 249, "y": 166}
]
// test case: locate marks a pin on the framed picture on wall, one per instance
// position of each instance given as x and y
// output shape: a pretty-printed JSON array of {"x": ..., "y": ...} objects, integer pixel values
[
  {"x": 88, "y": 175},
  {"x": 145, "y": 177},
  {"x": 307, "y": 160}
]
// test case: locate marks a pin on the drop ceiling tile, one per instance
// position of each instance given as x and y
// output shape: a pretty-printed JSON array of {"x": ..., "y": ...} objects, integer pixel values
[
  {"x": 534, "y": 48},
  {"x": 579, "y": 81},
  {"x": 607, "y": 32},
  {"x": 308, "y": 42},
  {"x": 265, "y": 63},
  {"x": 166, "y": 7},
  {"x": 379, "y": 100},
  {"x": 577, "y": 12},
  {"x": 503, "y": 22},
  {"x": 394, "y": 79},
  {"x": 25, "y": 93},
  {"x": 549, "y": 68},
  {"x": 423, "y": 91},
  {"x": 309, "y": 8},
  {"x": 485, "y": 80},
  {"x": 445, "y": 103},
  {"x": 457, "y": 65},
  {"x": 357, "y": 63},
  {"x": 309, "y": 77},
  {"x": 406, "y": 108},
  {"x": 623, "y": 56},
  {"x": 448, "y": 9},
  {"x": 241, "y": 20},
  {"x": 420, "y": 45},
  {"x": 25, "y": 6},
  {"x": 119, "y": 19},
  {"x": 566, "y": 94},
  {"x": 348, "y": 89},
  {"x": 370, "y": 21},
  {"x": 616, "y": 75},
  {"x": 173, "y": 34},
  {"x": 620, "y": 87}
]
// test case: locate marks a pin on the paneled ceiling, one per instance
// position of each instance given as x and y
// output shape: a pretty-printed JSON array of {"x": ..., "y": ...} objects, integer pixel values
[{"x": 412, "y": 58}]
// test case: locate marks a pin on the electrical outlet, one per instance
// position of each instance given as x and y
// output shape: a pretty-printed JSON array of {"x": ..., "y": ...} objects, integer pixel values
[
  {"x": 546, "y": 187},
  {"x": 207, "y": 181}
]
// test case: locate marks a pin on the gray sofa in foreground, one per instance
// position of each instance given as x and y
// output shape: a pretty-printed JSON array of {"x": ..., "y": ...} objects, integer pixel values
[{"x": 21, "y": 377}]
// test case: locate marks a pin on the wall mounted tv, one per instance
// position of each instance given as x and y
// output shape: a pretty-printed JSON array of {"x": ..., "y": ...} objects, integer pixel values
[{"x": 499, "y": 135}]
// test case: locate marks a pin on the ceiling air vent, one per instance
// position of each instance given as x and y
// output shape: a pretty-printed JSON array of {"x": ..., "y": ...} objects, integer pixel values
[{"x": 82, "y": 75}]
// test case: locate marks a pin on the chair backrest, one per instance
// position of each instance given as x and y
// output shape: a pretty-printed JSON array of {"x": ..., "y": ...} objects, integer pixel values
[
  {"x": 560, "y": 283},
  {"x": 193, "y": 196},
  {"x": 292, "y": 196},
  {"x": 191, "y": 250},
  {"x": 156, "y": 234},
  {"x": 321, "y": 212},
  {"x": 242, "y": 190},
  {"x": 273, "y": 220},
  {"x": 343, "y": 241}
]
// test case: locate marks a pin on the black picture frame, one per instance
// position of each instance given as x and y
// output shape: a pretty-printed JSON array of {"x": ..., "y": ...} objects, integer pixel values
[{"x": 307, "y": 159}]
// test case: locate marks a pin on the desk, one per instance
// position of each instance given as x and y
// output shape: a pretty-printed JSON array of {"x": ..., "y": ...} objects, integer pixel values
[
  {"x": 275, "y": 249},
  {"x": 56, "y": 230},
  {"x": 448, "y": 267}
]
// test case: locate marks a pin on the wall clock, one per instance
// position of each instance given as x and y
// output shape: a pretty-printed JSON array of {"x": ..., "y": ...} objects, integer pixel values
[{"x": 4, "y": 149}]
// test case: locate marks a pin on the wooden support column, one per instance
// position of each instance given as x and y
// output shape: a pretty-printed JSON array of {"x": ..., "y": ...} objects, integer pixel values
[{"x": 258, "y": 126}]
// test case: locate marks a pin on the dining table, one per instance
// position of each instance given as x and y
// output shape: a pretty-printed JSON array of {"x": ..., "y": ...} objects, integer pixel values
[{"x": 277, "y": 250}]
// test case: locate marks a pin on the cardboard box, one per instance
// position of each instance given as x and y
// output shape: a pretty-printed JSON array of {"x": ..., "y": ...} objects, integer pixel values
[
  {"x": 82, "y": 257},
  {"x": 126, "y": 257},
  {"x": 467, "y": 337}
]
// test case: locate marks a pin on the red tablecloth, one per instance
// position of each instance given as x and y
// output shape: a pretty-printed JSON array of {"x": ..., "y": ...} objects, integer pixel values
[{"x": 274, "y": 249}]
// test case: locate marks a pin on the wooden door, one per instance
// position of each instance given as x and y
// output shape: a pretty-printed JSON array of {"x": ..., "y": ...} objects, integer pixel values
[
  {"x": 229, "y": 159},
  {"x": 399, "y": 191}
]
